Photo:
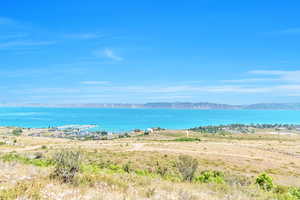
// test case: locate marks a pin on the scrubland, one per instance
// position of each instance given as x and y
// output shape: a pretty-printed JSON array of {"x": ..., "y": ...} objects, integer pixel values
[{"x": 165, "y": 165}]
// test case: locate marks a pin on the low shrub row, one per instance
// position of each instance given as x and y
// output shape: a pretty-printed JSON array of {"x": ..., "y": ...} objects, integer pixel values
[{"x": 68, "y": 165}]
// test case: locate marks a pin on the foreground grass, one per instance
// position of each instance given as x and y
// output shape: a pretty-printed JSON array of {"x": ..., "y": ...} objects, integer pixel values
[
  {"x": 159, "y": 181},
  {"x": 146, "y": 167}
]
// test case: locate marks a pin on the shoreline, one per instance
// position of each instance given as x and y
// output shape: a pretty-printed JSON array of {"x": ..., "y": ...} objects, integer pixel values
[{"x": 83, "y": 132}]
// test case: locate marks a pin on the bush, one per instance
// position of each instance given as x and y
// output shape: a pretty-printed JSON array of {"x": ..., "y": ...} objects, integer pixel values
[
  {"x": 187, "y": 167},
  {"x": 210, "y": 177},
  {"x": 104, "y": 133},
  {"x": 295, "y": 192},
  {"x": 17, "y": 132},
  {"x": 161, "y": 170},
  {"x": 265, "y": 182},
  {"x": 127, "y": 135},
  {"x": 67, "y": 165},
  {"x": 187, "y": 139},
  {"x": 280, "y": 189},
  {"x": 25, "y": 160},
  {"x": 38, "y": 155},
  {"x": 127, "y": 167},
  {"x": 237, "y": 180},
  {"x": 104, "y": 138}
]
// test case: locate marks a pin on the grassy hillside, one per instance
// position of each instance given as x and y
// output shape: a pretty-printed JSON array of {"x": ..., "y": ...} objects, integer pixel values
[{"x": 164, "y": 165}]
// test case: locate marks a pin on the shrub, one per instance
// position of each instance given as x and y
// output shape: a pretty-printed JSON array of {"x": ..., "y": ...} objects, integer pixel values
[
  {"x": 17, "y": 132},
  {"x": 150, "y": 192},
  {"x": 67, "y": 165},
  {"x": 280, "y": 189},
  {"x": 295, "y": 192},
  {"x": 104, "y": 138},
  {"x": 115, "y": 168},
  {"x": 38, "y": 155},
  {"x": 141, "y": 172},
  {"x": 23, "y": 190},
  {"x": 187, "y": 139},
  {"x": 127, "y": 135},
  {"x": 127, "y": 167},
  {"x": 161, "y": 170},
  {"x": 25, "y": 160},
  {"x": 187, "y": 166},
  {"x": 265, "y": 182},
  {"x": 238, "y": 180},
  {"x": 104, "y": 133},
  {"x": 210, "y": 177}
]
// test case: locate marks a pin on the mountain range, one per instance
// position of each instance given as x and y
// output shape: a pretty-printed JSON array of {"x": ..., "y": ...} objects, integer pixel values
[{"x": 169, "y": 105}]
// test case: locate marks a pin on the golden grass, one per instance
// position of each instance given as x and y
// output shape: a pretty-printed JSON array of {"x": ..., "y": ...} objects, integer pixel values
[{"x": 241, "y": 157}]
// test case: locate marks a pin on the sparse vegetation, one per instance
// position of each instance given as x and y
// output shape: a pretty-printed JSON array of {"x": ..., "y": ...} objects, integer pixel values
[
  {"x": 242, "y": 128},
  {"x": 37, "y": 161},
  {"x": 17, "y": 131},
  {"x": 150, "y": 168},
  {"x": 187, "y": 167},
  {"x": 295, "y": 192},
  {"x": 67, "y": 164},
  {"x": 127, "y": 167},
  {"x": 265, "y": 182},
  {"x": 210, "y": 177},
  {"x": 187, "y": 139}
]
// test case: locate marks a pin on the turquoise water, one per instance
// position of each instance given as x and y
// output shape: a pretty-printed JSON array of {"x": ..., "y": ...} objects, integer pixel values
[{"x": 127, "y": 119}]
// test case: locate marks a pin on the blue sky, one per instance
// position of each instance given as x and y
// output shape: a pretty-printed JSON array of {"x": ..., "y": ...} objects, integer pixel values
[{"x": 64, "y": 51}]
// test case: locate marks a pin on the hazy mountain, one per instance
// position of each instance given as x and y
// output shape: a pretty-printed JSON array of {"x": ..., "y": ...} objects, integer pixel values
[
  {"x": 175, "y": 105},
  {"x": 187, "y": 105},
  {"x": 274, "y": 106}
]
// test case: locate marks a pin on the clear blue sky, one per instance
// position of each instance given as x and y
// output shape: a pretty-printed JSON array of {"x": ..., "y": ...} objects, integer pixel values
[{"x": 93, "y": 51}]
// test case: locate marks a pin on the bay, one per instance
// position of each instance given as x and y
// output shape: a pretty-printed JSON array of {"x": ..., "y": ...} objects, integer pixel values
[{"x": 120, "y": 120}]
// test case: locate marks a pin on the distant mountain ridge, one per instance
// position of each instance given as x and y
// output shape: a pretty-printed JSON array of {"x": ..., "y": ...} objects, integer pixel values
[
  {"x": 169, "y": 105},
  {"x": 274, "y": 106},
  {"x": 187, "y": 105}
]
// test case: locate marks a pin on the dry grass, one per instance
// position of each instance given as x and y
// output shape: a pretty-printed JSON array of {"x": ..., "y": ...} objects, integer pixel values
[{"x": 150, "y": 161}]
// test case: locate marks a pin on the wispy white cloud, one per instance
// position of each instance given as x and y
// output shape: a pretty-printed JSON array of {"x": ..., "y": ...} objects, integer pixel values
[
  {"x": 108, "y": 53},
  {"x": 169, "y": 97},
  {"x": 269, "y": 72},
  {"x": 157, "y": 91},
  {"x": 6, "y": 20},
  {"x": 12, "y": 36},
  {"x": 95, "y": 82},
  {"x": 120, "y": 93},
  {"x": 25, "y": 43},
  {"x": 251, "y": 80},
  {"x": 84, "y": 36},
  {"x": 288, "y": 76}
]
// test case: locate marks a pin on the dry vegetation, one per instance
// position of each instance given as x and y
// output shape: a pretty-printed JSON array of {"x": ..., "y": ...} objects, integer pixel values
[{"x": 165, "y": 165}]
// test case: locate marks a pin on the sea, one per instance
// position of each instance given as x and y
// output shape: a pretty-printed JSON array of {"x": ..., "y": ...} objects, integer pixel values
[{"x": 122, "y": 120}]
